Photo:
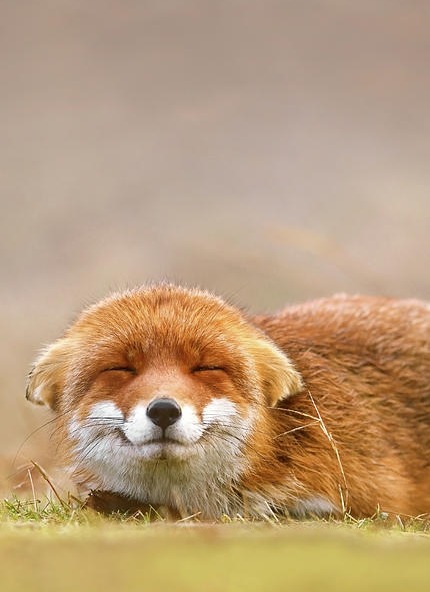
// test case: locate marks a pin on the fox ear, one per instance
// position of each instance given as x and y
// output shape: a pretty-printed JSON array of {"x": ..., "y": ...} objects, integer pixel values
[
  {"x": 46, "y": 379},
  {"x": 279, "y": 378}
]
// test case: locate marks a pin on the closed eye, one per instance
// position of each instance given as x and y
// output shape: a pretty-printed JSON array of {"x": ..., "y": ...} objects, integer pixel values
[
  {"x": 120, "y": 369},
  {"x": 207, "y": 368}
]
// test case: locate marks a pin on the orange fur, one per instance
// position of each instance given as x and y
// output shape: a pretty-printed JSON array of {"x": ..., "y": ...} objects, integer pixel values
[{"x": 329, "y": 403}]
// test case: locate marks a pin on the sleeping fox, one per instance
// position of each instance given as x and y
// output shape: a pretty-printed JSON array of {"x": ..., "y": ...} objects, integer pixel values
[{"x": 170, "y": 398}]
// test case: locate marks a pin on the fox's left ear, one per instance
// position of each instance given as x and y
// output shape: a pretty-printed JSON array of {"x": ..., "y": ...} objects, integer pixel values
[
  {"x": 279, "y": 378},
  {"x": 47, "y": 377}
]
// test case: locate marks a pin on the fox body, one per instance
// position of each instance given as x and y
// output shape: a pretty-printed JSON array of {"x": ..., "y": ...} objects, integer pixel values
[{"x": 169, "y": 397}]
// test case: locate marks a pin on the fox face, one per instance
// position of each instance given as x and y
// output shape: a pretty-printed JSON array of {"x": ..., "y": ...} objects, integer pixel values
[{"x": 159, "y": 394}]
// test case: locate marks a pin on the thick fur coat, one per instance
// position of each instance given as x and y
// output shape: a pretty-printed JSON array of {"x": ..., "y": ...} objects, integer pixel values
[{"x": 170, "y": 398}]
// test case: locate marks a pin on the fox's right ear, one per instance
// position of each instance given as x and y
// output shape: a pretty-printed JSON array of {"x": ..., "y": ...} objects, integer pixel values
[{"x": 47, "y": 377}]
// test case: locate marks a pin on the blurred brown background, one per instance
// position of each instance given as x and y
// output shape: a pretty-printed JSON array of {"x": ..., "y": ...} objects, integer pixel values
[{"x": 270, "y": 150}]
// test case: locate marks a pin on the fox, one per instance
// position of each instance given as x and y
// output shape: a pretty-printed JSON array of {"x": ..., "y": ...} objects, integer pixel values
[{"x": 172, "y": 399}]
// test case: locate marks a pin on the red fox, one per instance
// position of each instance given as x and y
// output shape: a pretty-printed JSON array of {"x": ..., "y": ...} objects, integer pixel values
[{"x": 168, "y": 397}]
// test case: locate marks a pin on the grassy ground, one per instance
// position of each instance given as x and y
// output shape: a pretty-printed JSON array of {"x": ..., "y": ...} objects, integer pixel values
[{"x": 54, "y": 548}]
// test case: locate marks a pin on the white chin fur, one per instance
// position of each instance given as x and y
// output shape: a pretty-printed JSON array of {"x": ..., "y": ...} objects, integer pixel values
[{"x": 191, "y": 471}]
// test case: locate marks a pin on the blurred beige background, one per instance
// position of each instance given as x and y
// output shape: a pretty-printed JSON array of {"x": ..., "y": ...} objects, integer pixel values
[{"x": 270, "y": 150}]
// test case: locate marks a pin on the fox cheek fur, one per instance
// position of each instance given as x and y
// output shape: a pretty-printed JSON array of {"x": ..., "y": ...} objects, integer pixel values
[{"x": 169, "y": 397}]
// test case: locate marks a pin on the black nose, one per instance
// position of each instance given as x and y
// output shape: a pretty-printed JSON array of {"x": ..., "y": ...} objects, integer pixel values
[{"x": 163, "y": 412}]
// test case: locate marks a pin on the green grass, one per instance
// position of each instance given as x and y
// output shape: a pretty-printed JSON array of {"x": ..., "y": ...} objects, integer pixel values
[{"x": 51, "y": 547}]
